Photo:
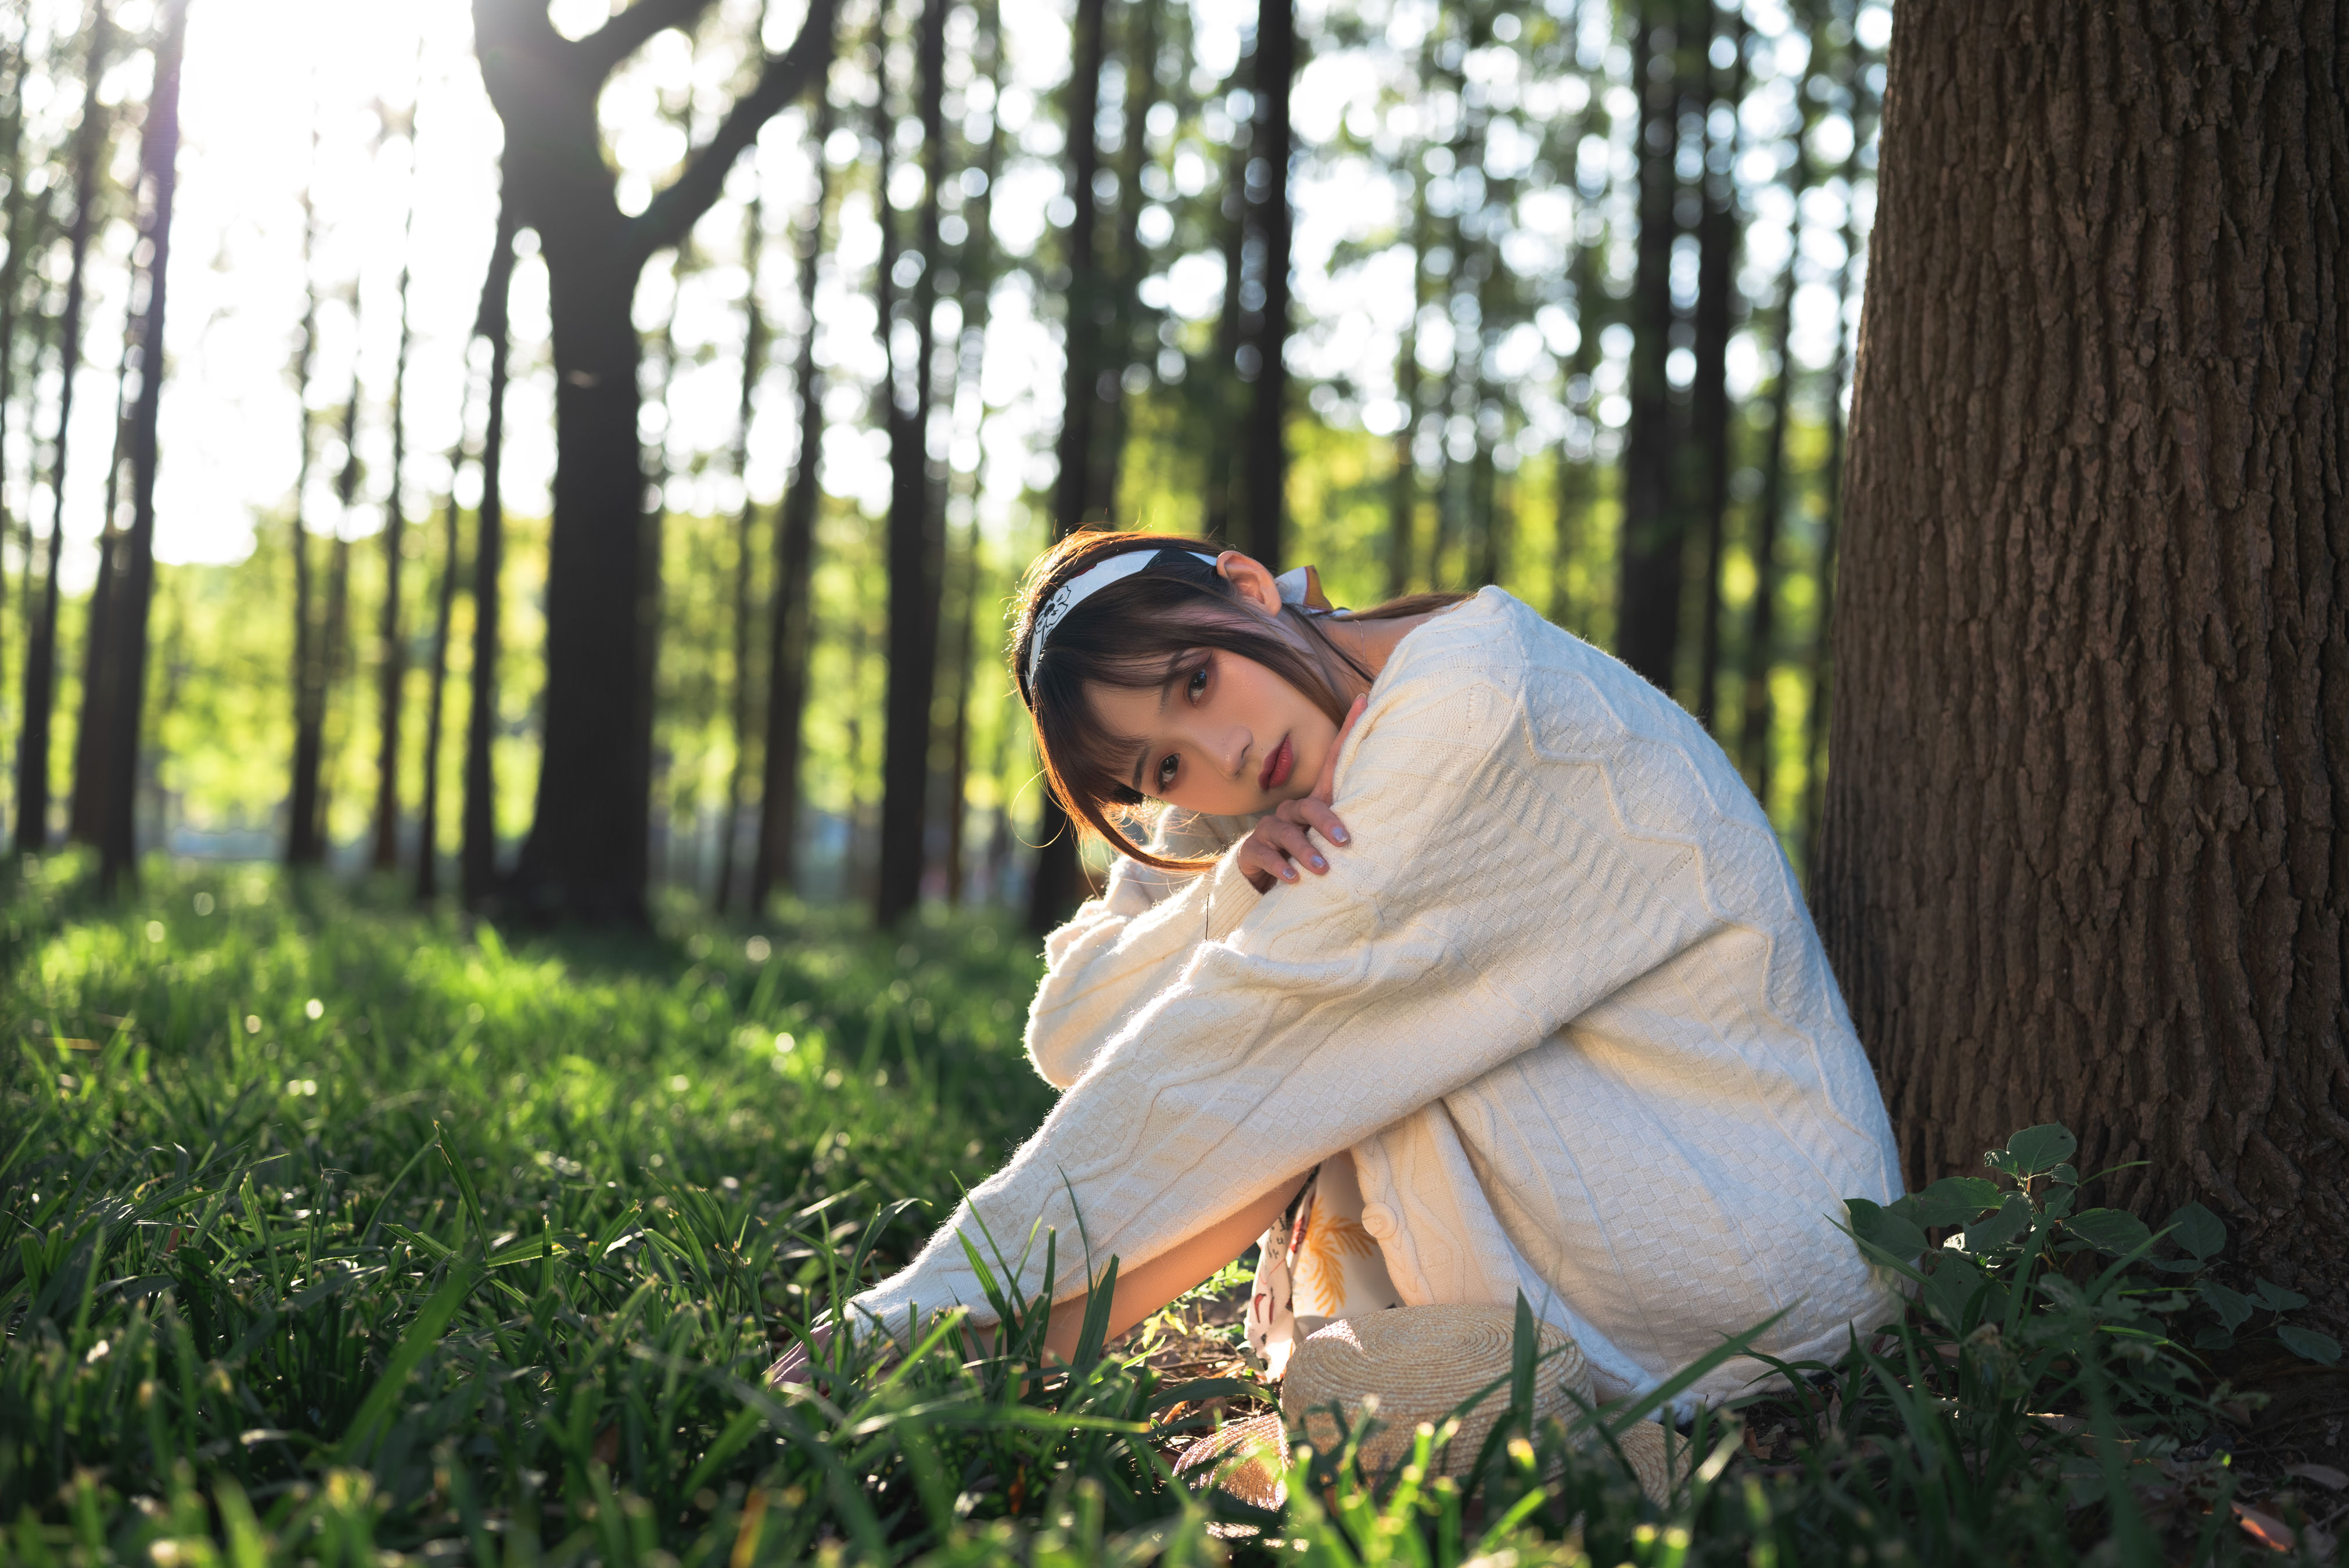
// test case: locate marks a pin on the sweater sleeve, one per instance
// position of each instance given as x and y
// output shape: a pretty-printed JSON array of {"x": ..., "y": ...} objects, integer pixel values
[
  {"x": 1122, "y": 948},
  {"x": 1492, "y": 894}
]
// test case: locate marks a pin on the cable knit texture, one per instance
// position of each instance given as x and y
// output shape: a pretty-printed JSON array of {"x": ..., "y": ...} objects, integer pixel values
[{"x": 1560, "y": 998}]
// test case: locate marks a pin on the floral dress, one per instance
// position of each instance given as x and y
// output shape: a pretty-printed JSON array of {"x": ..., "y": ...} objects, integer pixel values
[{"x": 1316, "y": 1264}]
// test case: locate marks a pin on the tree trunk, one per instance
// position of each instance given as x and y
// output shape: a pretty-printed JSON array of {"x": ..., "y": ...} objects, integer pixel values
[
  {"x": 917, "y": 548},
  {"x": 124, "y": 672},
  {"x": 1760, "y": 717},
  {"x": 302, "y": 844},
  {"x": 788, "y": 617},
  {"x": 1265, "y": 504},
  {"x": 90, "y": 734},
  {"x": 427, "y": 815},
  {"x": 2083, "y": 857},
  {"x": 334, "y": 658},
  {"x": 19, "y": 221},
  {"x": 391, "y": 652},
  {"x": 41, "y": 641},
  {"x": 1709, "y": 411},
  {"x": 477, "y": 855},
  {"x": 1648, "y": 616},
  {"x": 1402, "y": 479},
  {"x": 587, "y": 854},
  {"x": 1055, "y": 889},
  {"x": 754, "y": 355}
]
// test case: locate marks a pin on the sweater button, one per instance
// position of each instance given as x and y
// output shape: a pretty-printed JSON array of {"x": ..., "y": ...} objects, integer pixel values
[{"x": 1379, "y": 1219}]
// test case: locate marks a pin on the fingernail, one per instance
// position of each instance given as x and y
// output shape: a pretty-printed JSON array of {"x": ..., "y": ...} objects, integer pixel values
[
  {"x": 1320, "y": 864},
  {"x": 1289, "y": 873},
  {"x": 1338, "y": 834}
]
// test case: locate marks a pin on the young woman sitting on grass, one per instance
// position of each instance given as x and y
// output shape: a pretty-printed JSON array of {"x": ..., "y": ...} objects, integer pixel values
[{"x": 1459, "y": 962}]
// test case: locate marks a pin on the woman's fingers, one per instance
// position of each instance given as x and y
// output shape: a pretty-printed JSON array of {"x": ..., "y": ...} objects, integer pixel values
[
  {"x": 1316, "y": 815},
  {"x": 1275, "y": 848}
]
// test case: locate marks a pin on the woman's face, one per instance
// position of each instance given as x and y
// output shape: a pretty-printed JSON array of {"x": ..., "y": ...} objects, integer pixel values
[{"x": 1221, "y": 734}]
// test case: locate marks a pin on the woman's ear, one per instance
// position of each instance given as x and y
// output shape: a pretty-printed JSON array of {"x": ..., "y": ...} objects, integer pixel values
[{"x": 1250, "y": 580}]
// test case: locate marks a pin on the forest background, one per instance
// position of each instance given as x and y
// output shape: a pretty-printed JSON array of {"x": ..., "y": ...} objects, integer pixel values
[{"x": 1532, "y": 325}]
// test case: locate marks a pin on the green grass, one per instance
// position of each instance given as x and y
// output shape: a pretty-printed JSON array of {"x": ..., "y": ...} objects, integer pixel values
[{"x": 337, "y": 1234}]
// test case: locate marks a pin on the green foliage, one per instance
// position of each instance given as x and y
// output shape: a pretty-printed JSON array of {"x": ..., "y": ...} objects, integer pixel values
[{"x": 337, "y": 1230}]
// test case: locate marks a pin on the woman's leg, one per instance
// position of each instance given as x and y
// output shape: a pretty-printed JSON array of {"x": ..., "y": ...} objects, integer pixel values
[{"x": 1152, "y": 1285}]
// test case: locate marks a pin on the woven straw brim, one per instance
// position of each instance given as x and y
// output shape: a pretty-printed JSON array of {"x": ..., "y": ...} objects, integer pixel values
[{"x": 1420, "y": 1364}]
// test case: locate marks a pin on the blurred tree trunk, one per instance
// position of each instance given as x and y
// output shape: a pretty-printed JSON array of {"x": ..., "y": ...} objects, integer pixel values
[
  {"x": 336, "y": 658},
  {"x": 1760, "y": 717},
  {"x": 41, "y": 628},
  {"x": 977, "y": 265},
  {"x": 391, "y": 652},
  {"x": 92, "y": 729},
  {"x": 123, "y": 674},
  {"x": 2083, "y": 857},
  {"x": 302, "y": 843},
  {"x": 477, "y": 854},
  {"x": 1221, "y": 392},
  {"x": 1056, "y": 888},
  {"x": 1578, "y": 477},
  {"x": 586, "y": 856},
  {"x": 916, "y": 528},
  {"x": 1716, "y": 302},
  {"x": 1137, "y": 335},
  {"x": 1402, "y": 479},
  {"x": 20, "y": 220},
  {"x": 788, "y": 617},
  {"x": 1264, "y": 503},
  {"x": 1648, "y": 616},
  {"x": 427, "y": 815},
  {"x": 754, "y": 357}
]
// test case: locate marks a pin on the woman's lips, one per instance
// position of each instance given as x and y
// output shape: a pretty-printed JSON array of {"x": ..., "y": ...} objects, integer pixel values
[{"x": 1276, "y": 767}]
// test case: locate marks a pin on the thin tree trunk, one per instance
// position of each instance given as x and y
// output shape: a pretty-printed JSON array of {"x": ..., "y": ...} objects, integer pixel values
[
  {"x": 1223, "y": 392},
  {"x": 19, "y": 219},
  {"x": 427, "y": 817},
  {"x": 977, "y": 268},
  {"x": 1054, "y": 891},
  {"x": 1131, "y": 264},
  {"x": 1647, "y": 632},
  {"x": 917, "y": 567},
  {"x": 392, "y": 651},
  {"x": 337, "y": 657},
  {"x": 1402, "y": 479},
  {"x": 2083, "y": 857},
  {"x": 124, "y": 674},
  {"x": 754, "y": 355},
  {"x": 41, "y": 646},
  {"x": 1265, "y": 505},
  {"x": 1710, "y": 411},
  {"x": 90, "y": 733},
  {"x": 788, "y": 617},
  {"x": 1760, "y": 717},
  {"x": 302, "y": 843},
  {"x": 478, "y": 863}
]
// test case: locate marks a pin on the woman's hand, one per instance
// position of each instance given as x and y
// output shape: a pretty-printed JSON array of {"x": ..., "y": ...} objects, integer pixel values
[
  {"x": 796, "y": 1366},
  {"x": 1282, "y": 841}
]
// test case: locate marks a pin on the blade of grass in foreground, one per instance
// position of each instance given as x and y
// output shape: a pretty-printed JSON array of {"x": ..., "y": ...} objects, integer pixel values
[{"x": 414, "y": 1346}]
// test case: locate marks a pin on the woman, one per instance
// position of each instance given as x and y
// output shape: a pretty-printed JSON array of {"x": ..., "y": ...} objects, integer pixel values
[{"x": 1509, "y": 934}]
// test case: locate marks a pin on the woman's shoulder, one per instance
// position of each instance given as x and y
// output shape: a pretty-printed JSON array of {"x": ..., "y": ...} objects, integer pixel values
[{"x": 1490, "y": 639}]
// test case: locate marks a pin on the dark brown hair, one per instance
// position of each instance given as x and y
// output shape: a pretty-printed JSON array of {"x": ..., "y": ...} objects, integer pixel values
[{"x": 1130, "y": 635}]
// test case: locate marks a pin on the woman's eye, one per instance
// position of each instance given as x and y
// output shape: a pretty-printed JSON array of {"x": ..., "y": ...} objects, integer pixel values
[
  {"x": 1197, "y": 685},
  {"x": 1165, "y": 770}
]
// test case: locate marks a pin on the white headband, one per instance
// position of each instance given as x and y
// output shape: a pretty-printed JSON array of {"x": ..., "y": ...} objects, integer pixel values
[{"x": 1117, "y": 569}]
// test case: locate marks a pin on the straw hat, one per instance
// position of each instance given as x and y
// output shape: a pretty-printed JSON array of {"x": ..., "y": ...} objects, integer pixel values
[{"x": 1406, "y": 1366}]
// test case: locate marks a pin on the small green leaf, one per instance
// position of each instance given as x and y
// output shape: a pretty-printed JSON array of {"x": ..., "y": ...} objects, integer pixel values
[
  {"x": 1951, "y": 1287},
  {"x": 2210, "y": 1337},
  {"x": 2275, "y": 1298},
  {"x": 2001, "y": 1229},
  {"x": 2233, "y": 1306},
  {"x": 1954, "y": 1200},
  {"x": 2110, "y": 1230},
  {"x": 1881, "y": 1227},
  {"x": 2310, "y": 1345},
  {"x": 2058, "y": 1201},
  {"x": 2038, "y": 1149},
  {"x": 2197, "y": 1230},
  {"x": 2066, "y": 1175}
]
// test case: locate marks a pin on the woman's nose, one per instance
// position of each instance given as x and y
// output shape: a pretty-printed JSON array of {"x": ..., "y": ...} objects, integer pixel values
[{"x": 1235, "y": 753}]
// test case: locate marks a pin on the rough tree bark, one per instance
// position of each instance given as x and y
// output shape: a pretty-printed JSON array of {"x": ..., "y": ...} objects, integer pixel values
[
  {"x": 788, "y": 617},
  {"x": 2084, "y": 857},
  {"x": 587, "y": 854},
  {"x": 41, "y": 629},
  {"x": 124, "y": 671},
  {"x": 916, "y": 540}
]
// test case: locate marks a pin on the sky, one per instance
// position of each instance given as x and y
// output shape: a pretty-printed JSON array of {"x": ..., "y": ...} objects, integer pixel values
[{"x": 284, "y": 100}]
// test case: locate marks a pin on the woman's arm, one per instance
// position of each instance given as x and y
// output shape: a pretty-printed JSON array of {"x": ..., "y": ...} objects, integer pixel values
[
  {"x": 1182, "y": 1267},
  {"x": 1122, "y": 948}
]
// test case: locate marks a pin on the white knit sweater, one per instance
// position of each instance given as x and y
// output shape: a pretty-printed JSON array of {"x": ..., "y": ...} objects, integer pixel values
[{"x": 1560, "y": 998}]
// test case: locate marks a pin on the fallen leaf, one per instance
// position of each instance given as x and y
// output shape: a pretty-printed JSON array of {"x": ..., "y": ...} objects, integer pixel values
[
  {"x": 2322, "y": 1475},
  {"x": 2264, "y": 1528}
]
